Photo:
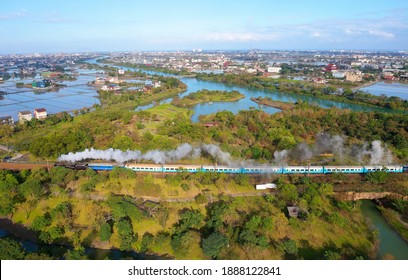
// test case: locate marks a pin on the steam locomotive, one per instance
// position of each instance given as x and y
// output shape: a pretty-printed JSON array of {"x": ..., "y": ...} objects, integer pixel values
[{"x": 171, "y": 168}]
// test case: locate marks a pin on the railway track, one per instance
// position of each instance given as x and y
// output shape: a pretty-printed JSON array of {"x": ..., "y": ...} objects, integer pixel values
[{"x": 23, "y": 166}]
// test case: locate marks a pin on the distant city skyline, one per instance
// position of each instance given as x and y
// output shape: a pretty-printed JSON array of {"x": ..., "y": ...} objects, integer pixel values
[{"x": 45, "y": 26}]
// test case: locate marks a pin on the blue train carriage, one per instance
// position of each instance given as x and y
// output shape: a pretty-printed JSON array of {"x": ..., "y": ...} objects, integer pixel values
[
  {"x": 228, "y": 169},
  {"x": 262, "y": 170},
  {"x": 302, "y": 170},
  {"x": 102, "y": 166},
  {"x": 343, "y": 169},
  {"x": 386, "y": 168}
]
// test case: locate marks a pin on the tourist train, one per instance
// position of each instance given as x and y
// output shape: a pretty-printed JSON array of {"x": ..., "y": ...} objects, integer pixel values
[{"x": 264, "y": 169}]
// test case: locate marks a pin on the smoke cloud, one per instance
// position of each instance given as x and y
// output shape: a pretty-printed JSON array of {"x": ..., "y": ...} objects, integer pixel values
[
  {"x": 157, "y": 156},
  {"x": 325, "y": 143}
]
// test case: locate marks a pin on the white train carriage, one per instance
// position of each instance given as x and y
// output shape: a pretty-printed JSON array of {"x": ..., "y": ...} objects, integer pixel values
[
  {"x": 302, "y": 170},
  {"x": 343, "y": 169},
  {"x": 387, "y": 168}
]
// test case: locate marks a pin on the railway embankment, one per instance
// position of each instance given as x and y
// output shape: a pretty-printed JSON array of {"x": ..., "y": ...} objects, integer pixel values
[{"x": 353, "y": 196}]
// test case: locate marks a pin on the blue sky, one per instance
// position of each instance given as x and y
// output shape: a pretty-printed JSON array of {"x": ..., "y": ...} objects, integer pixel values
[{"x": 28, "y": 26}]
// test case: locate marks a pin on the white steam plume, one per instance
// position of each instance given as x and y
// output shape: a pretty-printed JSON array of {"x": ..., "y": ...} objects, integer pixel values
[
  {"x": 325, "y": 143},
  {"x": 160, "y": 157}
]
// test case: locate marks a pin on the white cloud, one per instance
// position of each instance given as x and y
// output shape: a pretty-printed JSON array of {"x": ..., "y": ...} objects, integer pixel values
[
  {"x": 14, "y": 15},
  {"x": 239, "y": 37},
  {"x": 383, "y": 34}
]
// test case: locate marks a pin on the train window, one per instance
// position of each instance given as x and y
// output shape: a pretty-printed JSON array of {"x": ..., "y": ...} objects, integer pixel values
[
  {"x": 347, "y": 169},
  {"x": 297, "y": 169}
]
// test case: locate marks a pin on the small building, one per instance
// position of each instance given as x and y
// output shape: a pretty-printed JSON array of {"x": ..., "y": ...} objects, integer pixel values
[
  {"x": 265, "y": 186},
  {"x": 338, "y": 74},
  {"x": 354, "y": 76},
  {"x": 293, "y": 211},
  {"x": 24, "y": 116},
  {"x": 121, "y": 72},
  {"x": 331, "y": 67},
  {"x": 7, "y": 120},
  {"x": 210, "y": 124},
  {"x": 319, "y": 80},
  {"x": 274, "y": 69},
  {"x": 40, "y": 113}
]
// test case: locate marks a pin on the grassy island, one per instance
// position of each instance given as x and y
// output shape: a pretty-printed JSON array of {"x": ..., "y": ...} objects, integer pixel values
[
  {"x": 203, "y": 96},
  {"x": 274, "y": 103}
]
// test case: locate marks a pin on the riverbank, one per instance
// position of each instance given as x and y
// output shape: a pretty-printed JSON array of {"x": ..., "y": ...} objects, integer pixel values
[
  {"x": 365, "y": 85},
  {"x": 394, "y": 220},
  {"x": 18, "y": 230},
  {"x": 273, "y": 103}
]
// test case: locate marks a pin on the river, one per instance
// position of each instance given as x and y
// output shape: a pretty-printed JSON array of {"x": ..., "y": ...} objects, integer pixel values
[
  {"x": 245, "y": 103},
  {"x": 390, "y": 241}
]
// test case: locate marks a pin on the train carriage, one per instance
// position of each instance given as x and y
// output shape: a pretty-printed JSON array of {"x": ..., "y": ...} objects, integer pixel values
[
  {"x": 101, "y": 166},
  {"x": 145, "y": 167},
  {"x": 302, "y": 170},
  {"x": 343, "y": 169},
  {"x": 262, "y": 170},
  {"x": 387, "y": 168},
  {"x": 228, "y": 169}
]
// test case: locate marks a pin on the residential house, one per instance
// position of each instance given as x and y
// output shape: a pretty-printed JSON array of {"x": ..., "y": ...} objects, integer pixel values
[
  {"x": 24, "y": 116},
  {"x": 7, "y": 120},
  {"x": 40, "y": 113},
  {"x": 274, "y": 69},
  {"x": 338, "y": 74},
  {"x": 354, "y": 76}
]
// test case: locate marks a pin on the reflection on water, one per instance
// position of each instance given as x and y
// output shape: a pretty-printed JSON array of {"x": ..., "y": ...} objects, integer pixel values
[
  {"x": 76, "y": 95},
  {"x": 388, "y": 89}
]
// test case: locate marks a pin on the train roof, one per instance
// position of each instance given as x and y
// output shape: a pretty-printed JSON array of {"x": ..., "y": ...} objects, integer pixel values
[
  {"x": 382, "y": 166},
  {"x": 302, "y": 166},
  {"x": 104, "y": 164},
  {"x": 343, "y": 166}
]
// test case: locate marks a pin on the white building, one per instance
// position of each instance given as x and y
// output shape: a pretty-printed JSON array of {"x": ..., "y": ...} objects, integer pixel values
[
  {"x": 265, "y": 186},
  {"x": 24, "y": 116},
  {"x": 274, "y": 69},
  {"x": 40, "y": 113}
]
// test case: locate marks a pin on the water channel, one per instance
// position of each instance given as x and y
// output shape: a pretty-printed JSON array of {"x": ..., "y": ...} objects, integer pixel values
[{"x": 390, "y": 241}]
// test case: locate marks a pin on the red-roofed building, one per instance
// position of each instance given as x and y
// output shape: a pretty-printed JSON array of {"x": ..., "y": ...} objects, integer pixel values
[
  {"x": 331, "y": 67},
  {"x": 210, "y": 124},
  {"x": 40, "y": 113}
]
